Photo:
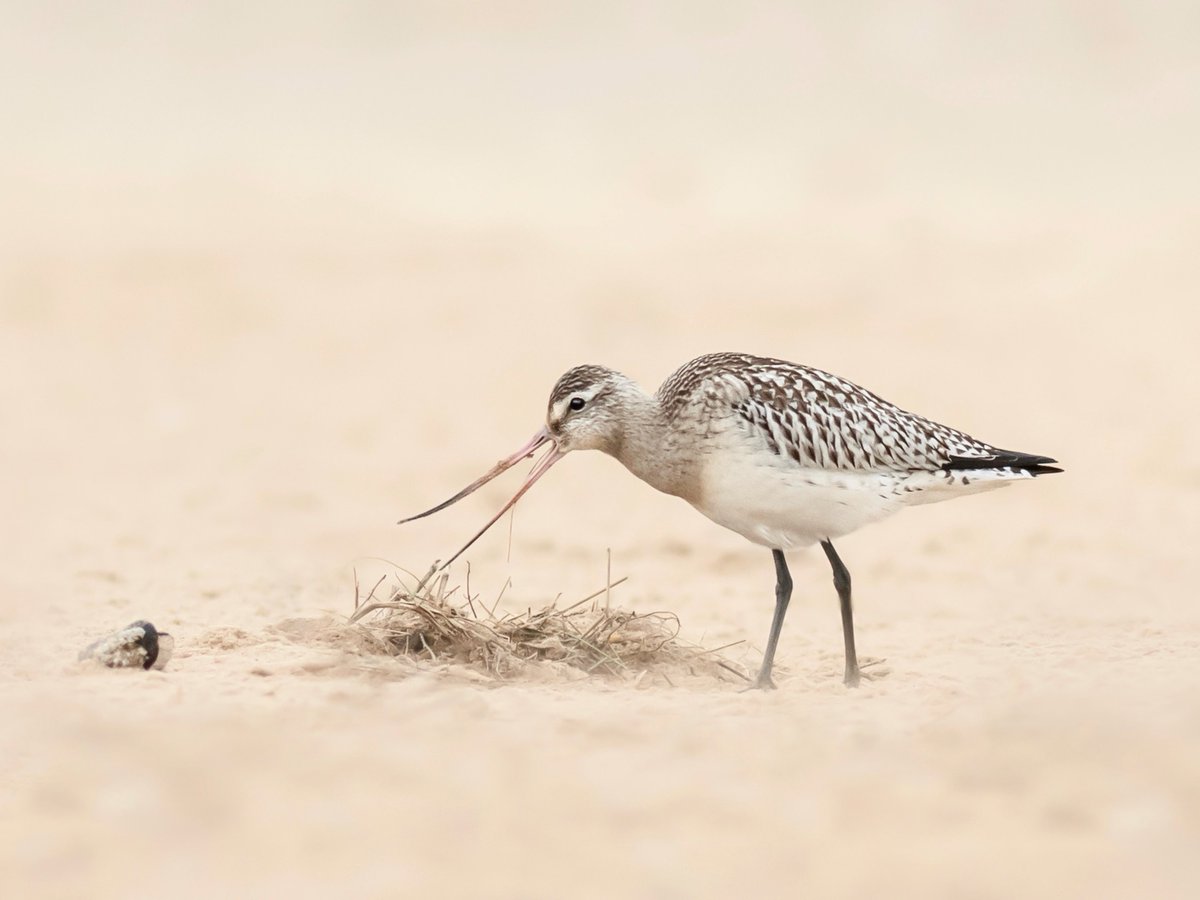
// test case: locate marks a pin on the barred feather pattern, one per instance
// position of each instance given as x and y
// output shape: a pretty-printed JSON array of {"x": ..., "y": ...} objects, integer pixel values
[{"x": 817, "y": 419}]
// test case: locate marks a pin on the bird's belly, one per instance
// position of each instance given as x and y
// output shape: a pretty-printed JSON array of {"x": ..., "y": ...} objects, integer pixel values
[{"x": 786, "y": 506}]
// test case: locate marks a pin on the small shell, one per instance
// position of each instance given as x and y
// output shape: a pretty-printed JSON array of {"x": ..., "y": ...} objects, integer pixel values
[{"x": 139, "y": 645}]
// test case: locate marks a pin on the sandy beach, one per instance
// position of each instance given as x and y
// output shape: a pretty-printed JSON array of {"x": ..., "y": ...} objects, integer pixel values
[{"x": 271, "y": 283}]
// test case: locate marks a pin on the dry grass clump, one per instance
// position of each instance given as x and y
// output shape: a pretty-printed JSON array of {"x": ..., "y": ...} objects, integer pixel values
[{"x": 586, "y": 637}]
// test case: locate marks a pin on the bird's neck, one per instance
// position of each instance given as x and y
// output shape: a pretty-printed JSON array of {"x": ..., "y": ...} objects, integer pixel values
[{"x": 645, "y": 444}]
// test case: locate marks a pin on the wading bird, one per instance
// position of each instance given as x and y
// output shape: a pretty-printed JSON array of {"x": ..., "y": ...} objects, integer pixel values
[{"x": 783, "y": 454}]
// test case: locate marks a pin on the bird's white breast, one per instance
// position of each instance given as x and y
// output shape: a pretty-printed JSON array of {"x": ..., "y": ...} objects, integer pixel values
[{"x": 773, "y": 502}]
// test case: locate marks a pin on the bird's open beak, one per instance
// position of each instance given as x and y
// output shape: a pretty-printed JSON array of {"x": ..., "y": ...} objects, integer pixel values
[{"x": 542, "y": 467}]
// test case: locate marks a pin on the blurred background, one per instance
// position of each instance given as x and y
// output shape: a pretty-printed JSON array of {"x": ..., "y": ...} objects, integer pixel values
[
  {"x": 316, "y": 248},
  {"x": 274, "y": 274},
  {"x": 218, "y": 215}
]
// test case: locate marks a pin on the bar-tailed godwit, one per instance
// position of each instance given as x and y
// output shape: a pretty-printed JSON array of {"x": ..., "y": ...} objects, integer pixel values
[{"x": 783, "y": 454}]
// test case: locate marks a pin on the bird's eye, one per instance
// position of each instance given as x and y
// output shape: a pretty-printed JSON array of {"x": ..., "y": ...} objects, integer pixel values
[{"x": 577, "y": 403}]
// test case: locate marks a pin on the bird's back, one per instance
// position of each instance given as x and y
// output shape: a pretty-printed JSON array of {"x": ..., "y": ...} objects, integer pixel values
[{"x": 785, "y": 443}]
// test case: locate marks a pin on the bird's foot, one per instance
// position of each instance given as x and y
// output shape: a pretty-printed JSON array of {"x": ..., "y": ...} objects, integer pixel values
[
  {"x": 870, "y": 669},
  {"x": 762, "y": 683}
]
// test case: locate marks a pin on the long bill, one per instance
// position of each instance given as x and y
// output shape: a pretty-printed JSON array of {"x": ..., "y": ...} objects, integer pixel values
[{"x": 542, "y": 467}]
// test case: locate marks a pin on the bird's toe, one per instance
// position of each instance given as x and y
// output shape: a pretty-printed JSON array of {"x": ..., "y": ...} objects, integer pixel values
[
  {"x": 869, "y": 669},
  {"x": 763, "y": 682}
]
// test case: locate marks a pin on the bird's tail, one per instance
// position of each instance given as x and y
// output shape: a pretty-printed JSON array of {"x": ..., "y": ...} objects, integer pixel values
[{"x": 1005, "y": 459}]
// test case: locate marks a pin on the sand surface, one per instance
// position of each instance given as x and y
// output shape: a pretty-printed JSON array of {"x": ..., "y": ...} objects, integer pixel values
[{"x": 269, "y": 284}]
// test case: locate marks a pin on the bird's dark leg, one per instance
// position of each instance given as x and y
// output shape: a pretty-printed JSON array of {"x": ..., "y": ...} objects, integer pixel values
[
  {"x": 841, "y": 581},
  {"x": 783, "y": 593}
]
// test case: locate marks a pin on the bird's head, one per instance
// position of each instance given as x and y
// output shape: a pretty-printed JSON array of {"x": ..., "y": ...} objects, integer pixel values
[{"x": 584, "y": 412}]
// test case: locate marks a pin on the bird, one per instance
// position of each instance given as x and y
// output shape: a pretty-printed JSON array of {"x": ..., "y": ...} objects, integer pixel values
[{"x": 783, "y": 454}]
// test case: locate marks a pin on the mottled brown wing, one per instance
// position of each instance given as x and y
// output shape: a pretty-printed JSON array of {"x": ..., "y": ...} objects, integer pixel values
[{"x": 822, "y": 421}]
